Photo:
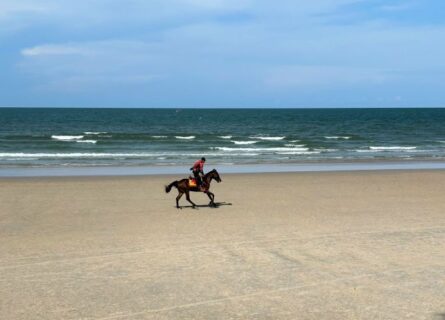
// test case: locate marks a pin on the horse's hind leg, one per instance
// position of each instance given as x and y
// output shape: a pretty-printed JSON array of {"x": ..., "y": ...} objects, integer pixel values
[
  {"x": 187, "y": 196},
  {"x": 177, "y": 199}
]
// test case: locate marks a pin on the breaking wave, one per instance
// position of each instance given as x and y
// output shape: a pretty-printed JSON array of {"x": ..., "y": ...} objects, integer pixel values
[
  {"x": 66, "y": 138},
  {"x": 244, "y": 142},
  {"x": 268, "y": 138}
]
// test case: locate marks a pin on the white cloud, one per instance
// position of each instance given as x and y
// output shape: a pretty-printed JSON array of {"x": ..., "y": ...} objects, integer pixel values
[
  {"x": 10, "y": 8},
  {"x": 55, "y": 50},
  {"x": 398, "y": 7},
  {"x": 82, "y": 66}
]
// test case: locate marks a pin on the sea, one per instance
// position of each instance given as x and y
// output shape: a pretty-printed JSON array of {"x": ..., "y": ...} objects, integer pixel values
[{"x": 75, "y": 137}]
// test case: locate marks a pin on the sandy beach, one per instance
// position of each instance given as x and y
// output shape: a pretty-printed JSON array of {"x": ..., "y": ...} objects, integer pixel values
[{"x": 343, "y": 245}]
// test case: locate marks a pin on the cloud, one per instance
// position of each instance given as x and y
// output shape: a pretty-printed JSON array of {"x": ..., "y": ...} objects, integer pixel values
[
  {"x": 397, "y": 7},
  {"x": 82, "y": 66},
  {"x": 55, "y": 50},
  {"x": 11, "y": 8}
]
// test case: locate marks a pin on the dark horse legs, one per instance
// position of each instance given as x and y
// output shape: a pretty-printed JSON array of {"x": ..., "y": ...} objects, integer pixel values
[
  {"x": 177, "y": 199},
  {"x": 187, "y": 196},
  {"x": 211, "y": 197}
]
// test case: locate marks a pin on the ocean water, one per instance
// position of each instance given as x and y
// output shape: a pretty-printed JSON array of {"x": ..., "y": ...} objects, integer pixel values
[{"x": 177, "y": 137}]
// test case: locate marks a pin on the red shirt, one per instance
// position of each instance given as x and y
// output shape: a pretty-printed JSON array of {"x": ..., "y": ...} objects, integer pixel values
[{"x": 198, "y": 166}]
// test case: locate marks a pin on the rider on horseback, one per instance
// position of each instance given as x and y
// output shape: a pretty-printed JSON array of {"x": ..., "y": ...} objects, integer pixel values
[{"x": 198, "y": 171}]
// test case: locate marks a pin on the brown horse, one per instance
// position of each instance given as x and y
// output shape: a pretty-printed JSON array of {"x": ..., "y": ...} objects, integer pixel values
[{"x": 184, "y": 187}]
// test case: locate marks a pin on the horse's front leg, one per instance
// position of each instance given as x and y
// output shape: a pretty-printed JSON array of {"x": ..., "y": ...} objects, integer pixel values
[
  {"x": 211, "y": 197},
  {"x": 187, "y": 196}
]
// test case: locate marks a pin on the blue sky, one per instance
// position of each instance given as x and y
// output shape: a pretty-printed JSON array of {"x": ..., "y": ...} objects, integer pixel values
[{"x": 222, "y": 53}]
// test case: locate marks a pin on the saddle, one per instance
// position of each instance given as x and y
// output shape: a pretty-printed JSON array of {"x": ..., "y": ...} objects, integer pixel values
[{"x": 193, "y": 182}]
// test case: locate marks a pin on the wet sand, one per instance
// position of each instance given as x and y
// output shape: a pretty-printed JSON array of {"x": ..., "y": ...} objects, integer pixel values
[{"x": 344, "y": 245}]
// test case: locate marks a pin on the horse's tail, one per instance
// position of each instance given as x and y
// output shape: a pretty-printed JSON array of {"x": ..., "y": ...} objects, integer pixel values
[{"x": 169, "y": 187}]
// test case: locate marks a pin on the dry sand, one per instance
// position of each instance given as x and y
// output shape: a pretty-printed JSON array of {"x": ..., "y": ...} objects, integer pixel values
[{"x": 356, "y": 245}]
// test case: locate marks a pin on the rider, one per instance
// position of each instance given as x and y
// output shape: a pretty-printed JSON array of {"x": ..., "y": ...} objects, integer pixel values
[{"x": 198, "y": 170}]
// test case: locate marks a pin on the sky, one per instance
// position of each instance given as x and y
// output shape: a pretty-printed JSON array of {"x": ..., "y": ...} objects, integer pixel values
[{"x": 222, "y": 53}]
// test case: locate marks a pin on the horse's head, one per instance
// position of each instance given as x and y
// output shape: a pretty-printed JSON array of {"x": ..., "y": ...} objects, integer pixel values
[{"x": 215, "y": 175}]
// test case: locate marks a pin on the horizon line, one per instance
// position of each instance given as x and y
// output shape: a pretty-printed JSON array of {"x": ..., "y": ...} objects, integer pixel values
[{"x": 186, "y": 107}]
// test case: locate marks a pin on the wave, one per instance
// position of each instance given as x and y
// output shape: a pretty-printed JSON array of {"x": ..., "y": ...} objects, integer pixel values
[
  {"x": 279, "y": 149},
  {"x": 392, "y": 148},
  {"x": 268, "y": 138},
  {"x": 87, "y": 141},
  {"x": 66, "y": 138},
  {"x": 225, "y": 137},
  {"x": 338, "y": 137},
  {"x": 325, "y": 150},
  {"x": 244, "y": 142},
  {"x": 159, "y": 137},
  {"x": 294, "y": 145},
  {"x": 298, "y": 152},
  {"x": 400, "y": 149},
  {"x": 185, "y": 137},
  {"x": 73, "y": 155},
  {"x": 92, "y": 132},
  {"x": 86, "y": 155}
]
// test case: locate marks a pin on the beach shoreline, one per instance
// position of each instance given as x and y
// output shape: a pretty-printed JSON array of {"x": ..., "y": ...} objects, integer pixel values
[{"x": 222, "y": 168}]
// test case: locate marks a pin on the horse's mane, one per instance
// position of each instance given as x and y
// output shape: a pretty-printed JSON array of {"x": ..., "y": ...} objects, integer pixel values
[{"x": 214, "y": 170}]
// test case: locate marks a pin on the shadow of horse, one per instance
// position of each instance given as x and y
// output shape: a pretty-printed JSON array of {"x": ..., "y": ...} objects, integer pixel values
[
  {"x": 216, "y": 205},
  {"x": 439, "y": 316}
]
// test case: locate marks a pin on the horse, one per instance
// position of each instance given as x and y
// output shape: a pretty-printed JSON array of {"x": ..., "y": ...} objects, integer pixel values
[{"x": 183, "y": 186}]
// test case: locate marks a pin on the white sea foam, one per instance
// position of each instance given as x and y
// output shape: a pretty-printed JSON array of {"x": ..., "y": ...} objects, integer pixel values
[
  {"x": 92, "y": 132},
  {"x": 159, "y": 137},
  {"x": 244, "y": 142},
  {"x": 298, "y": 152},
  {"x": 294, "y": 141},
  {"x": 279, "y": 149},
  {"x": 87, "y": 141},
  {"x": 86, "y": 155},
  {"x": 267, "y": 138},
  {"x": 71, "y": 155},
  {"x": 325, "y": 150},
  {"x": 366, "y": 150},
  {"x": 66, "y": 138},
  {"x": 392, "y": 148},
  {"x": 225, "y": 137},
  {"x": 338, "y": 137},
  {"x": 185, "y": 137},
  {"x": 294, "y": 145}
]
